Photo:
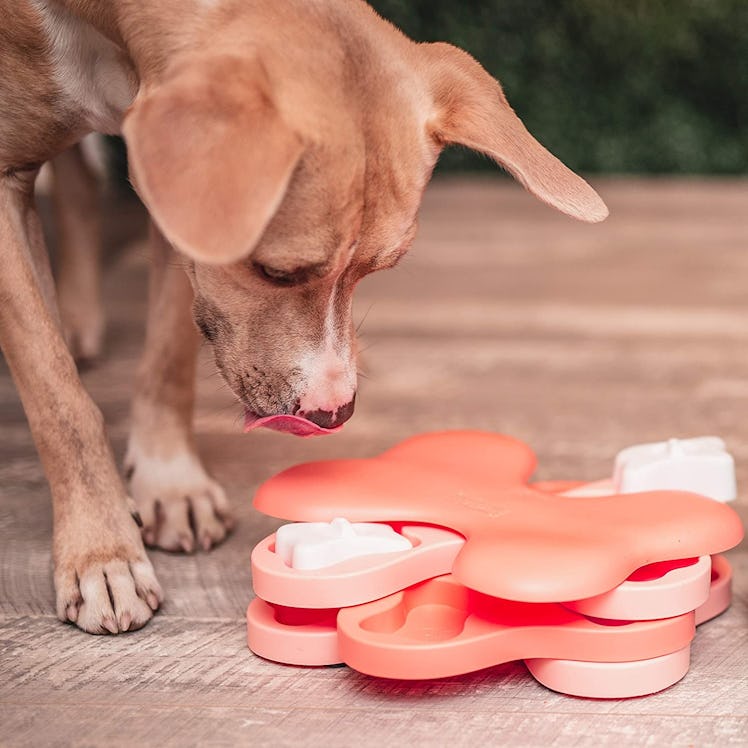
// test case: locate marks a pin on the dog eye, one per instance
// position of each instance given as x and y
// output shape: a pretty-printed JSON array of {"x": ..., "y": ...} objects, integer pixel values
[
  {"x": 280, "y": 277},
  {"x": 206, "y": 328}
]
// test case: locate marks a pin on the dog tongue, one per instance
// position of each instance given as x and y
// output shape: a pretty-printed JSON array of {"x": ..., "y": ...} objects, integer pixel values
[{"x": 289, "y": 424}]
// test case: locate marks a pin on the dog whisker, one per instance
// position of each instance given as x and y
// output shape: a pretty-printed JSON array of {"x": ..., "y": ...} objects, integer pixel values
[
  {"x": 363, "y": 319},
  {"x": 368, "y": 346}
]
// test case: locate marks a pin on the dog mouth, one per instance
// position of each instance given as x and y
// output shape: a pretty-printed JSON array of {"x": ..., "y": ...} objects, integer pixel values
[{"x": 287, "y": 424}]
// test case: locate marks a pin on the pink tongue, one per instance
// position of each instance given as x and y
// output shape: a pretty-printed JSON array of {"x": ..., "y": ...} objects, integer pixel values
[{"x": 289, "y": 424}]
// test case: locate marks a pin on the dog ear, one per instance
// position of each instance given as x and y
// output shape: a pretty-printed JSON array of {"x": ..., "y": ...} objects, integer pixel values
[
  {"x": 471, "y": 110},
  {"x": 211, "y": 156}
]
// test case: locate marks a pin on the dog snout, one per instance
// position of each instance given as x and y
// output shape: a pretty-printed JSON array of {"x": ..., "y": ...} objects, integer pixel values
[{"x": 329, "y": 419}]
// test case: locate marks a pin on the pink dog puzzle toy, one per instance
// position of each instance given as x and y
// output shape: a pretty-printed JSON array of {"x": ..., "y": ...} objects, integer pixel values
[{"x": 593, "y": 587}]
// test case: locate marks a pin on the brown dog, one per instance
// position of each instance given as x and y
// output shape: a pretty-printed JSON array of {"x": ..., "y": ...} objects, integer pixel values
[{"x": 282, "y": 148}]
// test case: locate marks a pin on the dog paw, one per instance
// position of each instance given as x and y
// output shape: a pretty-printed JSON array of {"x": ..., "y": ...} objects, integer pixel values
[
  {"x": 181, "y": 507},
  {"x": 104, "y": 582}
]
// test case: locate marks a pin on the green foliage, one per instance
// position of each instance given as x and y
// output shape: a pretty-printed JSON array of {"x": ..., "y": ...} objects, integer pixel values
[{"x": 608, "y": 85}]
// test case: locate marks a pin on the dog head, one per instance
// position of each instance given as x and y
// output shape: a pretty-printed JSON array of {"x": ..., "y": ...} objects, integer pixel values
[{"x": 289, "y": 168}]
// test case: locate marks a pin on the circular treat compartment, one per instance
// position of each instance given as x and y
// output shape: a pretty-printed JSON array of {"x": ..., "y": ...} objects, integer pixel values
[
  {"x": 356, "y": 580},
  {"x": 294, "y": 636},
  {"x": 660, "y": 590},
  {"x": 614, "y": 680}
]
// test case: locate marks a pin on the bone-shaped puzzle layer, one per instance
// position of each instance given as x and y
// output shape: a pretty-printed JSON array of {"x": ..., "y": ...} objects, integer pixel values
[
  {"x": 440, "y": 628},
  {"x": 521, "y": 544}
]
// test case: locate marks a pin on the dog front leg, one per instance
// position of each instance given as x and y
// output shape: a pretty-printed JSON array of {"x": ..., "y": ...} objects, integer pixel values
[
  {"x": 181, "y": 505},
  {"x": 78, "y": 222},
  {"x": 103, "y": 578}
]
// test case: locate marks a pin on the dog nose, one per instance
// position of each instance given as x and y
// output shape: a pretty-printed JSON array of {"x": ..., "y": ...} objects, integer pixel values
[{"x": 329, "y": 419}]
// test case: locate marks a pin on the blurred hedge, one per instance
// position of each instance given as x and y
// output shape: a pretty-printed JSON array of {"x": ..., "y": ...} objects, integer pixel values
[{"x": 609, "y": 86}]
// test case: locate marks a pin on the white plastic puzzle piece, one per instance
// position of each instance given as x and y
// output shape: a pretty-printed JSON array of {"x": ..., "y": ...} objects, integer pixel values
[
  {"x": 702, "y": 465},
  {"x": 316, "y": 545}
]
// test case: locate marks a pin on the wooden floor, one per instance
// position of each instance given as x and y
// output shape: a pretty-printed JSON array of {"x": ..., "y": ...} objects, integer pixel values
[{"x": 505, "y": 316}]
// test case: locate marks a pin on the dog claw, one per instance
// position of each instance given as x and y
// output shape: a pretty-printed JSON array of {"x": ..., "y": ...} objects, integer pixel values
[
  {"x": 125, "y": 621},
  {"x": 72, "y": 612},
  {"x": 152, "y": 600},
  {"x": 207, "y": 542},
  {"x": 186, "y": 543},
  {"x": 110, "y": 625}
]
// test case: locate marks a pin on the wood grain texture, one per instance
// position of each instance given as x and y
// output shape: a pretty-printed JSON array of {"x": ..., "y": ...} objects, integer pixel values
[{"x": 505, "y": 316}]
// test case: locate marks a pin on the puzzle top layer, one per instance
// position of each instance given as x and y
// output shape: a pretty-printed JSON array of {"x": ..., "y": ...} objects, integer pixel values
[{"x": 521, "y": 543}]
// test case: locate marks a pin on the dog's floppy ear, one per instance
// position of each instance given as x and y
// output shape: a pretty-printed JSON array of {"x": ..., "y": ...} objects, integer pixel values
[
  {"x": 211, "y": 156},
  {"x": 471, "y": 110}
]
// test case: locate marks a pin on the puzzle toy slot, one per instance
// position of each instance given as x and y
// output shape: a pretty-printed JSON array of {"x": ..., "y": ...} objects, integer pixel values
[
  {"x": 449, "y": 561},
  {"x": 661, "y": 590},
  {"x": 360, "y": 579}
]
